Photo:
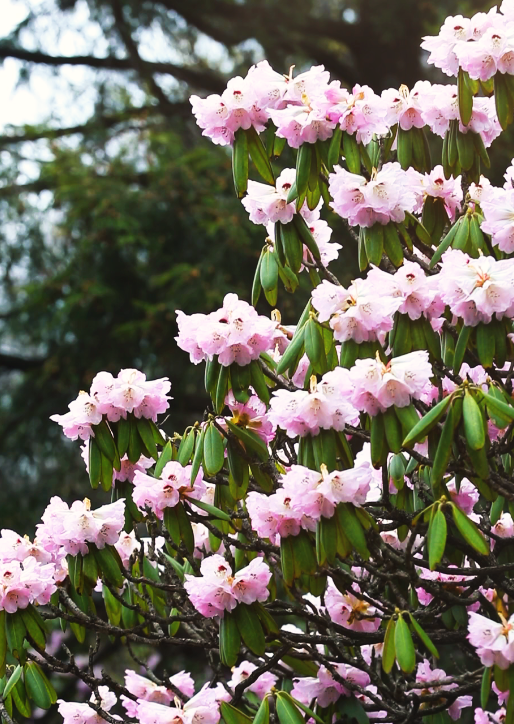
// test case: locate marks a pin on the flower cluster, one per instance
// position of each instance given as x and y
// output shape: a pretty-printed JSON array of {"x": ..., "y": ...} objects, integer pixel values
[
  {"x": 203, "y": 707},
  {"x": 498, "y": 208},
  {"x": 494, "y": 641},
  {"x": 406, "y": 107},
  {"x": 482, "y": 45},
  {"x": 252, "y": 415},
  {"x": 146, "y": 690},
  {"x": 114, "y": 397},
  {"x": 378, "y": 386},
  {"x": 236, "y": 333},
  {"x": 324, "y": 688},
  {"x": 360, "y": 313},
  {"x": 384, "y": 198},
  {"x": 441, "y": 105},
  {"x": 351, "y": 610},
  {"x": 260, "y": 687},
  {"x": 433, "y": 679},
  {"x": 435, "y": 185},
  {"x": 475, "y": 289},
  {"x": 217, "y": 590},
  {"x": 68, "y": 529},
  {"x": 325, "y": 405},
  {"x": 304, "y": 497},
  {"x": 166, "y": 490},
  {"x": 80, "y": 713},
  {"x": 27, "y": 573}
]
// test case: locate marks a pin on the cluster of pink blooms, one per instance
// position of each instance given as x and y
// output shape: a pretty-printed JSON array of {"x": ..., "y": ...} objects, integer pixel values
[
  {"x": 236, "y": 333},
  {"x": 324, "y": 688},
  {"x": 378, "y": 386},
  {"x": 359, "y": 313},
  {"x": 435, "y": 185},
  {"x": 114, "y": 397},
  {"x": 251, "y": 415},
  {"x": 304, "y": 497},
  {"x": 452, "y": 581},
  {"x": 166, "y": 490},
  {"x": 260, "y": 687},
  {"x": 432, "y": 682},
  {"x": 442, "y": 106},
  {"x": 362, "y": 202},
  {"x": 482, "y": 46},
  {"x": 498, "y": 207},
  {"x": 217, "y": 590},
  {"x": 325, "y": 405},
  {"x": 475, "y": 289},
  {"x": 81, "y": 713},
  {"x": 494, "y": 641},
  {"x": 203, "y": 707},
  {"x": 145, "y": 690},
  {"x": 350, "y": 610},
  {"x": 68, "y": 529},
  {"x": 27, "y": 573}
]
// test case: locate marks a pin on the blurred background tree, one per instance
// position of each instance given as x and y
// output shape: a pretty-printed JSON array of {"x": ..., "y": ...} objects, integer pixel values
[{"x": 110, "y": 225}]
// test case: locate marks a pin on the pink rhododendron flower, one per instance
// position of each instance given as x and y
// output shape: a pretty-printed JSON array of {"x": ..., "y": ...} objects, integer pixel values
[
  {"x": 504, "y": 526},
  {"x": 435, "y": 185},
  {"x": 217, "y": 590},
  {"x": 326, "y": 405},
  {"x": 273, "y": 515},
  {"x": 236, "y": 333},
  {"x": 69, "y": 529},
  {"x": 251, "y": 415},
  {"x": 452, "y": 581},
  {"x": 167, "y": 490},
  {"x": 493, "y": 641},
  {"x": 305, "y": 120},
  {"x": 360, "y": 113},
  {"x": 114, "y": 397},
  {"x": 430, "y": 677},
  {"x": 349, "y": 610},
  {"x": 377, "y": 386},
  {"x": 324, "y": 688},
  {"x": 413, "y": 292},
  {"x": 386, "y": 197},
  {"x": 475, "y": 289},
  {"x": 126, "y": 546},
  {"x": 24, "y": 582},
  {"x": 359, "y": 312},
  {"x": 442, "y": 106},
  {"x": 74, "y": 713},
  {"x": 404, "y": 106},
  {"x": 261, "y": 687},
  {"x": 237, "y": 107},
  {"x": 266, "y": 203},
  {"x": 498, "y": 208},
  {"x": 466, "y": 497}
]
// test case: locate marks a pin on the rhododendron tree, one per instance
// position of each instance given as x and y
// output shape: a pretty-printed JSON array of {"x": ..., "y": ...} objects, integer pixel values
[{"x": 333, "y": 541}]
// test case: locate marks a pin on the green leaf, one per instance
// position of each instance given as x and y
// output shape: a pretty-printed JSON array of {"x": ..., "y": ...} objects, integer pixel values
[
  {"x": 485, "y": 689},
  {"x": 334, "y": 149},
  {"x": 186, "y": 529},
  {"x": 351, "y": 708},
  {"x": 38, "y": 687},
  {"x": 230, "y": 640},
  {"x": 252, "y": 442},
  {"x": 293, "y": 351},
  {"x": 306, "y": 236},
  {"x": 231, "y": 715},
  {"x": 95, "y": 463},
  {"x": 351, "y": 153},
  {"x": 303, "y": 168},
  {"x": 213, "y": 450},
  {"x": 405, "y": 652},
  {"x": 287, "y": 559},
  {"x": 34, "y": 630},
  {"x": 498, "y": 406},
  {"x": 262, "y": 716},
  {"x": 105, "y": 441},
  {"x": 465, "y": 98},
  {"x": 250, "y": 628},
  {"x": 198, "y": 456},
  {"x": 427, "y": 422},
  {"x": 473, "y": 422},
  {"x": 13, "y": 680},
  {"x": 167, "y": 454},
  {"x": 240, "y": 162},
  {"x": 445, "y": 244},
  {"x": 145, "y": 431},
  {"x": 211, "y": 509},
  {"x": 109, "y": 562},
  {"x": 259, "y": 156},
  {"x": 304, "y": 708},
  {"x": 423, "y": 636},
  {"x": 469, "y": 531},
  {"x": 314, "y": 347},
  {"x": 293, "y": 246},
  {"x": 287, "y": 711},
  {"x": 436, "y": 537},
  {"x": 392, "y": 244},
  {"x": 353, "y": 529},
  {"x": 15, "y": 632},
  {"x": 389, "y": 650}
]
